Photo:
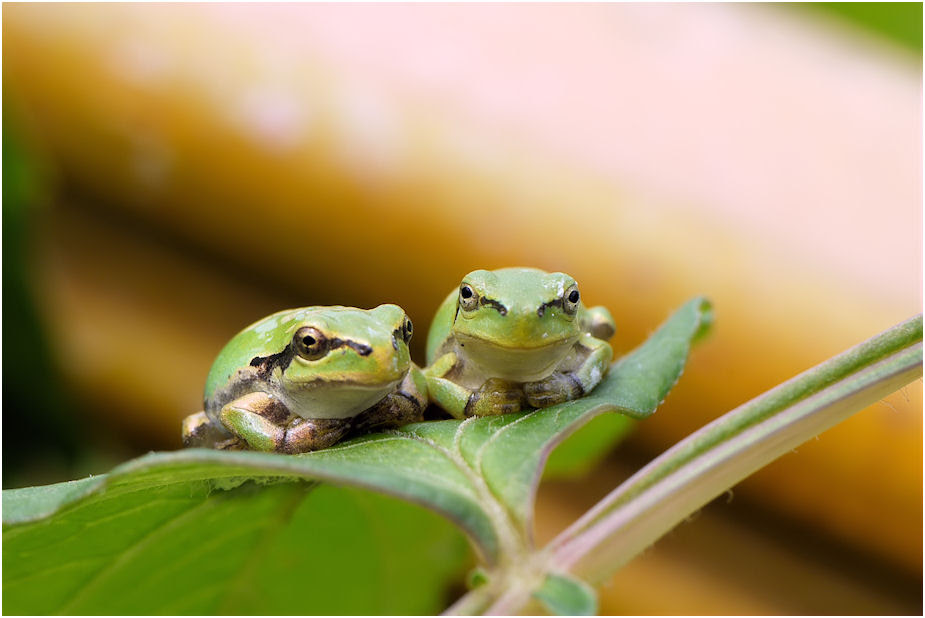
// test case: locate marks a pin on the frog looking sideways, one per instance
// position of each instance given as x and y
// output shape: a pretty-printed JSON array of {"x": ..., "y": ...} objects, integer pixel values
[
  {"x": 515, "y": 336},
  {"x": 302, "y": 379}
]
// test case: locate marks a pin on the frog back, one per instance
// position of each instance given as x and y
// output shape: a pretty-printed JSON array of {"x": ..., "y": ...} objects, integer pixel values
[
  {"x": 263, "y": 338},
  {"x": 441, "y": 326}
]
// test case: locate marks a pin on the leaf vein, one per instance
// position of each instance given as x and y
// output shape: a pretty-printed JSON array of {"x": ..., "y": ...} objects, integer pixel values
[{"x": 132, "y": 550}]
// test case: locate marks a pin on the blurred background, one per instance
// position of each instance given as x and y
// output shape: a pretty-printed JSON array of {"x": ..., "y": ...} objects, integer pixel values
[{"x": 175, "y": 172}]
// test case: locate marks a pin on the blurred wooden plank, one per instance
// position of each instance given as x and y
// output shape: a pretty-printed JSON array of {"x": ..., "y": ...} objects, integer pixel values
[{"x": 136, "y": 325}]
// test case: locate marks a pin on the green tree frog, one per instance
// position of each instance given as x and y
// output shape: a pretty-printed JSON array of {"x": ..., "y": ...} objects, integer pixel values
[
  {"x": 300, "y": 380},
  {"x": 515, "y": 336}
]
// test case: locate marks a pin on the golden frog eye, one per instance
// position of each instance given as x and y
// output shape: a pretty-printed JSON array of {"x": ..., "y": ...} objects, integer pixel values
[
  {"x": 407, "y": 330},
  {"x": 310, "y": 343},
  {"x": 570, "y": 300},
  {"x": 468, "y": 299}
]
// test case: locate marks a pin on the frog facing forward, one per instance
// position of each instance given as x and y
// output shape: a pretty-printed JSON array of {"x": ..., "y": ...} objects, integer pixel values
[
  {"x": 302, "y": 379},
  {"x": 515, "y": 336}
]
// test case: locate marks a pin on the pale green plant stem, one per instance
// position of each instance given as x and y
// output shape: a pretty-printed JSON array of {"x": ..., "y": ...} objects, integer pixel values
[
  {"x": 831, "y": 372},
  {"x": 611, "y": 542},
  {"x": 708, "y": 462}
]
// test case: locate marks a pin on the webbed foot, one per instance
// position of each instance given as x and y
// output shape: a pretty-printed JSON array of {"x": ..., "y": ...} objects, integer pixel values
[
  {"x": 557, "y": 388},
  {"x": 494, "y": 397}
]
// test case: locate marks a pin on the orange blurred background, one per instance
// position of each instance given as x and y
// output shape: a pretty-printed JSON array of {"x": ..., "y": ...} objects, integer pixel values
[{"x": 179, "y": 171}]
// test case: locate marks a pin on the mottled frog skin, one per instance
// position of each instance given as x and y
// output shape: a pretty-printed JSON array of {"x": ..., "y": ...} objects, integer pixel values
[
  {"x": 514, "y": 338},
  {"x": 302, "y": 379}
]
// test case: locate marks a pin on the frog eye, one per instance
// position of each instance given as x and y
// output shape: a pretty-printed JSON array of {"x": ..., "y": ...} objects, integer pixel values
[
  {"x": 468, "y": 299},
  {"x": 310, "y": 343},
  {"x": 407, "y": 330},
  {"x": 571, "y": 300}
]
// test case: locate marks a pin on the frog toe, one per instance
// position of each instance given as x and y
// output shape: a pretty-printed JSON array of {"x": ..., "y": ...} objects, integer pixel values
[
  {"x": 306, "y": 435},
  {"x": 495, "y": 396},
  {"x": 200, "y": 431},
  {"x": 557, "y": 388}
]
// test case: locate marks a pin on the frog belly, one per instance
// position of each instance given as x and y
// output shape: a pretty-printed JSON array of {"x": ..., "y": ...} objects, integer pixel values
[
  {"x": 335, "y": 401},
  {"x": 514, "y": 364}
]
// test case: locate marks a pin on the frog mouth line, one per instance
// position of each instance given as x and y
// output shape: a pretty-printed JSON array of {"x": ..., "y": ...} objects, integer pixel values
[
  {"x": 358, "y": 384},
  {"x": 513, "y": 348}
]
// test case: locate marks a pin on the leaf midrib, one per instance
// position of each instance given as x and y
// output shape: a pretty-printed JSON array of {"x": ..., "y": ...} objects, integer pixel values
[{"x": 510, "y": 538}]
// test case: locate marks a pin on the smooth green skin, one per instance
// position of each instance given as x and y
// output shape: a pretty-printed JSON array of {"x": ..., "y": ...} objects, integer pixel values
[
  {"x": 273, "y": 333},
  {"x": 486, "y": 361},
  {"x": 320, "y": 398}
]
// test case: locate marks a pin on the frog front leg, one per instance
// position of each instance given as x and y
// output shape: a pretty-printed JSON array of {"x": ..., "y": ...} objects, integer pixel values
[
  {"x": 599, "y": 323},
  {"x": 266, "y": 424},
  {"x": 565, "y": 385},
  {"x": 405, "y": 405},
  {"x": 493, "y": 397}
]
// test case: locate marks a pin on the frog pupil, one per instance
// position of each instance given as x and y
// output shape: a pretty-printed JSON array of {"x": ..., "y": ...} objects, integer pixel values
[
  {"x": 308, "y": 341},
  {"x": 466, "y": 292},
  {"x": 574, "y": 296}
]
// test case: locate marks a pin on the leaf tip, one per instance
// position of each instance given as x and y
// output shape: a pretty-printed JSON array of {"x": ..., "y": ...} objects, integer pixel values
[{"x": 704, "y": 307}]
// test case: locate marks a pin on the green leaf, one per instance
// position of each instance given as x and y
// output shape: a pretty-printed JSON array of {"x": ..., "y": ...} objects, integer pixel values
[
  {"x": 566, "y": 596},
  {"x": 667, "y": 349},
  {"x": 635, "y": 386},
  {"x": 709, "y": 462},
  {"x": 481, "y": 473},
  {"x": 184, "y": 548},
  {"x": 713, "y": 459},
  {"x": 585, "y": 448}
]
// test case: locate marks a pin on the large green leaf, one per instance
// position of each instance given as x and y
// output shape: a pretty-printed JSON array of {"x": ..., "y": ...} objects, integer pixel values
[
  {"x": 480, "y": 473},
  {"x": 711, "y": 460},
  {"x": 582, "y": 451},
  {"x": 699, "y": 468},
  {"x": 183, "y": 548}
]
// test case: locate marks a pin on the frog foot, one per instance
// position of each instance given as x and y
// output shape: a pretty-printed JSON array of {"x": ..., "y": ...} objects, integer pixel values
[
  {"x": 231, "y": 444},
  {"x": 264, "y": 424},
  {"x": 303, "y": 435},
  {"x": 200, "y": 431},
  {"x": 557, "y": 388},
  {"x": 494, "y": 397},
  {"x": 394, "y": 410}
]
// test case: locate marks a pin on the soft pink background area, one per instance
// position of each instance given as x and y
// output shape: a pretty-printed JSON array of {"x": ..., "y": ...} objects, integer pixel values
[{"x": 802, "y": 136}]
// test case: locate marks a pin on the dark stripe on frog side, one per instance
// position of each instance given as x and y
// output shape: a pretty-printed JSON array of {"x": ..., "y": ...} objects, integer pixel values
[
  {"x": 260, "y": 371},
  {"x": 266, "y": 364},
  {"x": 245, "y": 380},
  {"x": 494, "y": 304},
  {"x": 552, "y": 303},
  {"x": 485, "y": 302},
  {"x": 360, "y": 348}
]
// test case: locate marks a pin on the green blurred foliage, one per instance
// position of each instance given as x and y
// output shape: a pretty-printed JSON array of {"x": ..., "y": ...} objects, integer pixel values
[
  {"x": 34, "y": 426},
  {"x": 900, "y": 22}
]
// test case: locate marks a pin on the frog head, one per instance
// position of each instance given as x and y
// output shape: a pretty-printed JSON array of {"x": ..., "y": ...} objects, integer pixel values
[
  {"x": 343, "y": 360},
  {"x": 517, "y": 323}
]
